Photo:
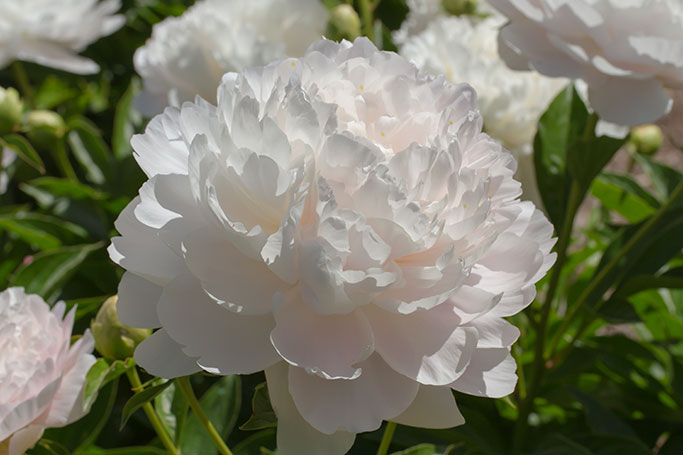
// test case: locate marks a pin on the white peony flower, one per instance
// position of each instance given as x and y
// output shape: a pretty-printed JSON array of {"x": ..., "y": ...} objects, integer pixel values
[
  {"x": 8, "y": 157},
  {"x": 628, "y": 52},
  {"x": 340, "y": 221},
  {"x": 511, "y": 102},
  {"x": 52, "y": 32},
  {"x": 42, "y": 376},
  {"x": 187, "y": 55}
]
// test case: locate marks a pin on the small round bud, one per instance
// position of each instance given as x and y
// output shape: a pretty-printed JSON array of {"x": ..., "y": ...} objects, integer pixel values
[
  {"x": 646, "y": 138},
  {"x": 11, "y": 108},
  {"x": 344, "y": 23},
  {"x": 458, "y": 7},
  {"x": 114, "y": 340},
  {"x": 44, "y": 127}
]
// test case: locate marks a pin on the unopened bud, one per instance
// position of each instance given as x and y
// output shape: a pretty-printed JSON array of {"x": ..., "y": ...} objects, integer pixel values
[
  {"x": 646, "y": 138},
  {"x": 11, "y": 108},
  {"x": 112, "y": 339},
  {"x": 44, "y": 127},
  {"x": 458, "y": 7},
  {"x": 344, "y": 23}
]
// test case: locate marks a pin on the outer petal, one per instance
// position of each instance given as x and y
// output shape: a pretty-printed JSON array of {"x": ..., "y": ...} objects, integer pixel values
[
  {"x": 24, "y": 439},
  {"x": 326, "y": 344},
  {"x": 239, "y": 283},
  {"x": 161, "y": 150},
  {"x": 295, "y": 436},
  {"x": 355, "y": 405},
  {"x": 437, "y": 352},
  {"x": 433, "y": 407},
  {"x": 27, "y": 411},
  {"x": 137, "y": 302},
  {"x": 50, "y": 54},
  {"x": 491, "y": 373},
  {"x": 163, "y": 357},
  {"x": 225, "y": 342}
]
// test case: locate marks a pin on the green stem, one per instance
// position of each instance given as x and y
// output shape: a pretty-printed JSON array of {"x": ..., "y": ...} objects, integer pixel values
[
  {"x": 386, "y": 438},
  {"x": 23, "y": 83},
  {"x": 186, "y": 388},
  {"x": 643, "y": 232},
  {"x": 62, "y": 158},
  {"x": 152, "y": 415},
  {"x": 366, "y": 8}
]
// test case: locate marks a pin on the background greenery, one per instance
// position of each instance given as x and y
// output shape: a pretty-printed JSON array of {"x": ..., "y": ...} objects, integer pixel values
[{"x": 601, "y": 351}]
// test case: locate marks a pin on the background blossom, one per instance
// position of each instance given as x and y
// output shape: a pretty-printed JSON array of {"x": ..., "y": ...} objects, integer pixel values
[
  {"x": 42, "y": 376},
  {"x": 52, "y": 32},
  {"x": 511, "y": 102},
  {"x": 340, "y": 221},
  {"x": 186, "y": 56},
  {"x": 628, "y": 53}
]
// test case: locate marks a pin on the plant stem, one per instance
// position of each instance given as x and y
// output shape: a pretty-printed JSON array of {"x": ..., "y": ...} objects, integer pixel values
[
  {"x": 152, "y": 415},
  {"x": 366, "y": 8},
  {"x": 538, "y": 366},
  {"x": 386, "y": 438},
  {"x": 23, "y": 83},
  {"x": 186, "y": 388},
  {"x": 605, "y": 271}
]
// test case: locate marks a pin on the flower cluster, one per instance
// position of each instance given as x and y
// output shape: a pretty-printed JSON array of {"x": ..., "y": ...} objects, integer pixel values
[
  {"x": 186, "y": 56},
  {"x": 341, "y": 222},
  {"x": 627, "y": 58},
  {"x": 52, "y": 32},
  {"x": 42, "y": 376}
]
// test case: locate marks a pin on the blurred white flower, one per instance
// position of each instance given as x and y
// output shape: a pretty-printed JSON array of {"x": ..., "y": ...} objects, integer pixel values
[
  {"x": 187, "y": 55},
  {"x": 52, "y": 32},
  {"x": 42, "y": 376},
  {"x": 8, "y": 157},
  {"x": 340, "y": 221},
  {"x": 511, "y": 102},
  {"x": 628, "y": 52}
]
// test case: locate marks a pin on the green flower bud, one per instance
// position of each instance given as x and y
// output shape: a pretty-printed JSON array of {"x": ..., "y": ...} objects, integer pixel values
[
  {"x": 112, "y": 339},
  {"x": 458, "y": 7},
  {"x": 344, "y": 23},
  {"x": 646, "y": 138},
  {"x": 11, "y": 108},
  {"x": 43, "y": 128}
]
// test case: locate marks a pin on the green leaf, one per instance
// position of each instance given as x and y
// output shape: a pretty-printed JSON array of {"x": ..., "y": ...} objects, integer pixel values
[
  {"x": 100, "y": 374},
  {"x": 254, "y": 444},
  {"x": 63, "y": 187},
  {"x": 126, "y": 119},
  {"x": 44, "y": 232},
  {"x": 24, "y": 150},
  {"x": 135, "y": 450},
  {"x": 163, "y": 404},
  {"x": 89, "y": 149},
  {"x": 623, "y": 195},
  {"x": 221, "y": 403},
  {"x": 602, "y": 420},
  {"x": 51, "y": 269},
  {"x": 139, "y": 399},
  {"x": 672, "y": 279},
  {"x": 53, "y": 92},
  {"x": 421, "y": 449},
  {"x": 589, "y": 155},
  {"x": 559, "y": 128},
  {"x": 262, "y": 414},
  {"x": 664, "y": 179}
]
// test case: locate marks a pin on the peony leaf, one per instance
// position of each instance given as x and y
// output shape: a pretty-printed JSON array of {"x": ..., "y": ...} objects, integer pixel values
[
  {"x": 90, "y": 150},
  {"x": 257, "y": 443},
  {"x": 24, "y": 150},
  {"x": 126, "y": 121},
  {"x": 262, "y": 414},
  {"x": 222, "y": 404},
  {"x": 421, "y": 449},
  {"x": 624, "y": 195},
  {"x": 100, "y": 374},
  {"x": 139, "y": 399}
]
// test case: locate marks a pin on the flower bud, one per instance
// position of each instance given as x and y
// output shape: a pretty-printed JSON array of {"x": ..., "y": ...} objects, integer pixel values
[
  {"x": 344, "y": 23},
  {"x": 646, "y": 138},
  {"x": 44, "y": 127},
  {"x": 458, "y": 7},
  {"x": 114, "y": 340},
  {"x": 11, "y": 108}
]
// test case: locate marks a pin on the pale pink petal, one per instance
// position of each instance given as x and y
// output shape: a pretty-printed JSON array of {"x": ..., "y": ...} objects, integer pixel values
[
  {"x": 433, "y": 407},
  {"x": 136, "y": 305},
  {"x": 163, "y": 357},
  {"x": 491, "y": 373}
]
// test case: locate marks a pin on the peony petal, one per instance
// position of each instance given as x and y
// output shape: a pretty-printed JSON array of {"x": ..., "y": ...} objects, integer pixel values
[
  {"x": 356, "y": 405},
  {"x": 161, "y": 150},
  {"x": 24, "y": 439},
  {"x": 433, "y": 407},
  {"x": 295, "y": 436},
  {"x": 437, "y": 356},
  {"x": 494, "y": 332},
  {"x": 163, "y": 357},
  {"x": 491, "y": 373},
  {"x": 136, "y": 305},
  {"x": 325, "y": 344},
  {"x": 225, "y": 342},
  {"x": 27, "y": 411}
]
